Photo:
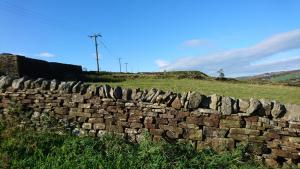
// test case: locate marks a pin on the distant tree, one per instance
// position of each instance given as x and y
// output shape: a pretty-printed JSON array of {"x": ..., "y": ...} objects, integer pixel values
[{"x": 221, "y": 74}]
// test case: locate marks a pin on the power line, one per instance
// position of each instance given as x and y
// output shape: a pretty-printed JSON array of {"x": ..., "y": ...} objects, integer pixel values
[
  {"x": 107, "y": 49},
  {"x": 21, "y": 11},
  {"x": 95, "y": 36},
  {"x": 111, "y": 54}
]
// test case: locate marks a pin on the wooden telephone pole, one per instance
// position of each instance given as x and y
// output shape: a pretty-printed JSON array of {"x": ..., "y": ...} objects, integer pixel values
[{"x": 95, "y": 36}]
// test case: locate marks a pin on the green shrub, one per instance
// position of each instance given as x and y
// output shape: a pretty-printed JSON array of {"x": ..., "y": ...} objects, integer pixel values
[{"x": 14, "y": 107}]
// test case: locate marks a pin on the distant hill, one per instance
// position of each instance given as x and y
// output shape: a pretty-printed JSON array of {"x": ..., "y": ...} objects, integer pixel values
[
  {"x": 92, "y": 76},
  {"x": 291, "y": 78}
]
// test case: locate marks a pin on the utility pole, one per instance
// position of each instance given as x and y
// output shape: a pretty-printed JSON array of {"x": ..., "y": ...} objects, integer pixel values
[
  {"x": 95, "y": 36},
  {"x": 120, "y": 65},
  {"x": 126, "y": 66}
]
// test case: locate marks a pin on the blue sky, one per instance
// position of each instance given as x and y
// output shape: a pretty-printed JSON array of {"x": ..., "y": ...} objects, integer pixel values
[{"x": 243, "y": 37}]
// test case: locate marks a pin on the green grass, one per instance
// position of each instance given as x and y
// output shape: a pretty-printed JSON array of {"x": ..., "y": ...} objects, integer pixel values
[
  {"x": 284, "y": 94},
  {"x": 28, "y": 149},
  {"x": 286, "y": 77}
]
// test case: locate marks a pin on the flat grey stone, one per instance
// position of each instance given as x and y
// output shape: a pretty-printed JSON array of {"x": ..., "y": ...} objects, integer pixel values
[{"x": 195, "y": 99}]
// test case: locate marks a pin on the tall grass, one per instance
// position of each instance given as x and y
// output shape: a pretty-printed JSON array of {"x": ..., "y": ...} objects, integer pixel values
[{"x": 28, "y": 149}]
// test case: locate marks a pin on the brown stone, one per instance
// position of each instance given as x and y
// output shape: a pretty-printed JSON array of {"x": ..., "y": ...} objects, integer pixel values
[
  {"x": 243, "y": 105},
  {"x": 162, "y": 121},
  {"x": 148, "y": 120},
  {"x": 244, "y": 131},
  {"x": 280, "y": 153},
  {"x": 172, "y": 134},
  {"x": 292, "y": 112},
  {"x": 61, "y": 110},
  {"x": 194, "y": 120},
  {"x": 182, "y": 114},
  {"x": 112, "y": 109},
  {"x": 182, "y": 125},
  {"x": 195, "y": 99},
  {"x": 135, "y": 119},
  {"x": 176, "y": 103},
  {"x": 87, "y": 126},
  {"x": 149, "y": 125},
  {"x": 224, "y": 123},
  {"x": 227, "y": 106},
  {"x": 266, "y": 107},
  {"x": 251, "y": 119},
  {"x": 215, "y": 102},
  {"x": 295, "y": 125},
  {"x": 77, "y": 98},
  {"x": 114, "y": 128},
  {"x": 158, "y": 132},
  {"x": 223, "y": 144},
  {"x": 271, "y": 163},
  {"x": 239, "y": 137},
  {"x": 166, "y": 116},
  {"x": 212, "y": 120},
  {"x": 82, "y": 114},
  {"x": 99, "y": 126},
  {"x": 257, "y": 139},
  {"x": 136, "y": 125},
  {"x": 96, "y": 120},
  {"x": 213, "y": 132},
  {"x": 82, "y": 119},
  {"x": 254, "y": 107},
  {"x": 278, "y": 110},
  {"x": 157, "y": 138},
  {"x": 207, "y": 144},
  {"x": 271, "y": 135},
  {"x": 131, "y": 131},
  {"x": 208, "y": 111},
  {"x": 194, "y": 134},
  {"x": 294, "y": 140},
  {"x": 124, "y": 124}
]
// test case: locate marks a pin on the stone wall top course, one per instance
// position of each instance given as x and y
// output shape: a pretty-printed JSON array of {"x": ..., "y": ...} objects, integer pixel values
[{"x": 269, "y": 128}]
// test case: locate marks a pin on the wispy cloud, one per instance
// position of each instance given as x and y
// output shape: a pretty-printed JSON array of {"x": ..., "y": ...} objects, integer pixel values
[
  {"x": 285, "y": 64},
  {"x": 237, "y": 60},
  {"x": 161, "y": 63},
  {"x": 46, "y": 55},
  {"x": 194, "y": 43}
]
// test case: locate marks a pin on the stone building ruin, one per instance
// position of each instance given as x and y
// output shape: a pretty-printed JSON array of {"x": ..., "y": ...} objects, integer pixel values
[{"x": 19, "y": 66}]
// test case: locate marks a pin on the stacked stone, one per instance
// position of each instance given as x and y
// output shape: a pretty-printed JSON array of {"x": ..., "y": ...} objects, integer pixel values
[{"x": 269, "y": 129}]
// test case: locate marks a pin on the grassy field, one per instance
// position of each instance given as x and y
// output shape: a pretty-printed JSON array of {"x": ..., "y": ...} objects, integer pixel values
[
  {"x": 285, "y": 77},
  {"x": 284, "y": 94}
]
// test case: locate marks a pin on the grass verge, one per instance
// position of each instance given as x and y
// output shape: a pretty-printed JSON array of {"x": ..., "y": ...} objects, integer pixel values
[{"x": 29, "y": 149}]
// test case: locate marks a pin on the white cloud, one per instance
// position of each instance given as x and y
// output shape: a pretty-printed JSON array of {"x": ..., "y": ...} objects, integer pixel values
[
  {"x": 234, "y": 61},
  {"x": 281, "y": 65},
  {"x": 194, "y": 43},
  {"x": 277, "y": 61},
  {"x": 161, "y": 63},
  {"x": 46, "y": 55}
]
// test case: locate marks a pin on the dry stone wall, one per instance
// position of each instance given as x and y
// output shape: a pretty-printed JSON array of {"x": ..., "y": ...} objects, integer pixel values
[{"x": 270, "y": 129}]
